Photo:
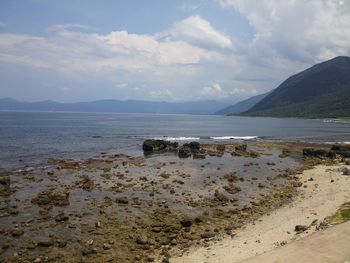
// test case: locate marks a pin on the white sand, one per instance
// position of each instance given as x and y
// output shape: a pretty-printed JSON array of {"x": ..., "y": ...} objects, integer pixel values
[{"x": 321, "y": 198}]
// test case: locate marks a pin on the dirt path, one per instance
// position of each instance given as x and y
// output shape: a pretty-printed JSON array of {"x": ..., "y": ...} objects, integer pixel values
[{"x": 324, "y": 190}]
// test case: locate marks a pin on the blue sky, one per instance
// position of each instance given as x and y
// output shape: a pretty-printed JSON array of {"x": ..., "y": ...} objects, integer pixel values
[{"x": 163, "y": 50}]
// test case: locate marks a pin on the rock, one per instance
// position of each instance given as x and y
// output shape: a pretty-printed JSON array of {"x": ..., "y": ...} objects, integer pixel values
[
  {"x": 57, "y": 197},
  {"x": 220, "y": 197},
  {"x": 141, "y": 240},
  {"x": 300, "y": 228},
  {"x": 88, "y": 250},
  {"x": 86, "y": 183},
  {"x": 341, "y": 149},
  {"x": 241, "y": 148},
  {"x": 220, "y": 147},
  {"x": 158, "y": 145},
  {"x": 194, "y": 146},
  {"x": 106, "y": 246},
  {"x": 44, "y": 242},
  {"x": 17, "y": 232},
  {"x": 4, "y": 183},
  {"x": 207, "y": 235},
  {"x": 150, "y": 259},
  {"x": 122, "y": 200},
  {"x": 184, "y": 152},
  {"x": 200, "y": 154},
  {"x": 318, "y": 153},
  {"x": 346, "y": 171},
  {"x": 297, "y": 184},
  {"x": 61, "y": 217},
  {"x": 187, "y": 222}
]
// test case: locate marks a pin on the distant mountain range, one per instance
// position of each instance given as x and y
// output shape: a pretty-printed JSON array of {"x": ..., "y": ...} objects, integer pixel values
[
  {"x": 242, "y": 106},
  {"x": 117, "y": 106},
  {"x": 322, "y": 91}
]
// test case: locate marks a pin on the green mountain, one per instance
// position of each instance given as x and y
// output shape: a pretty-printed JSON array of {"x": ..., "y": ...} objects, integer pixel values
[
  {"x": 322, "y": 91},
  {"x": 241, "y": 106}
]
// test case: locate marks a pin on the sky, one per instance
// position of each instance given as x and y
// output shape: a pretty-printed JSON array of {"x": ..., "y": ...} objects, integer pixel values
[{"x": 163, "y": 50}]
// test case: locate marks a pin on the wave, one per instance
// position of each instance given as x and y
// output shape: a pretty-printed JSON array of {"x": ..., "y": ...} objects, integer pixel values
[
  {"x": 184, "y": 138},
  {"x": 181, "y": 138},
  {"x": 234, "y": 137}
]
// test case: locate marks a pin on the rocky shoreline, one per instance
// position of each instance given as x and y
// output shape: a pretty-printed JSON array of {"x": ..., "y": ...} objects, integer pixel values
[{"x": 120, "y": 208}]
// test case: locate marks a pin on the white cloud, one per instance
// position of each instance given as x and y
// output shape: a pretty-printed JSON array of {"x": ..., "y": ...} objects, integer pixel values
[
  {"x": 2, "y": 24},
  {"x": 214, "y": 91},
  {"x": 301, "y": 31},
  {"x": 165, "y": 94},
  {"x": 61, "y": 27},
  {"x": 197, "y": 31}
]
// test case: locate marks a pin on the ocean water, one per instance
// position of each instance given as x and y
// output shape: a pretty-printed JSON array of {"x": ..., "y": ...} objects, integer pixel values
[{"x": 32, "y": 137}]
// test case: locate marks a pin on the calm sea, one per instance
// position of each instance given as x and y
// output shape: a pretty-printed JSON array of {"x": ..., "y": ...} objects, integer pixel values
[{"x": 32, "y": 137}]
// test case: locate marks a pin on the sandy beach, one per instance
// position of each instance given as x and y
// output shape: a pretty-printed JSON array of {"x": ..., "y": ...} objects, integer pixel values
[{"x": 324, "y": 190}]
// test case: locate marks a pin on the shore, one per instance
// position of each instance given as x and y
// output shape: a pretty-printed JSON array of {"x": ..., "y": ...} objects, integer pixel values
[
  {"x": 206, "y": 203},
  {"x": 325, "y": 190}
]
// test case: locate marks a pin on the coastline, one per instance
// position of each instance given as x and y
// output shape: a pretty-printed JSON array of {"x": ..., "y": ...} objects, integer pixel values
[
  {"x": 320, "y": 198},
  {"x": 152, "y": 208}
]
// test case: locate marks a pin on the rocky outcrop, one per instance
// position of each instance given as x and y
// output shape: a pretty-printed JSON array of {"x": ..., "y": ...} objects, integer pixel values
[
  {"x": 192, "y": 148},
  {"x": 159, "y": 145},
  {"x": 242, "y": 151},
  {"x": 184, "y": 152},
  {"x": 56, "y": 197},
  {"x": 318, "y": 153},
  {"x": 337, "y": 149},
  {"x": 341, "y": 149},
  {"x": 4, "y": 184}
]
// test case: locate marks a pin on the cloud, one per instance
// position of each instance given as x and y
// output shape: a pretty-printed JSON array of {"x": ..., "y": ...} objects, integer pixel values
[
  {"x": 2, "y": 24},
  {"x": 302, "y": 31},
  {"x": 197, "y": 31},
  {"x": 189, "y": 60},
  {"x": 214, "y": 92},
  {"x": 61, "y": 27}
]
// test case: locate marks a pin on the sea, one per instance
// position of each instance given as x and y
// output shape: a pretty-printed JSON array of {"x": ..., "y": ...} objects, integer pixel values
[{"x": 30, "y": 138}]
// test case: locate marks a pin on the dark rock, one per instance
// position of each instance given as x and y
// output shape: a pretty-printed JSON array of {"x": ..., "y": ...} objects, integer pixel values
[
  {"x": 17, "y": 232},
  {"x": 184, "y": 152},
  {"x": 61, "y": 217},
  {"x": 4, "y": 183},
  {"x": 208, "y": 234},
  {"x": 346, "y": 171},
  {"x": 194, "y": 146},
  {"x": 241, "y": 148},
  {"x": 318, "y": 153},
  {"x": 220, "y": 147},
  {"x": 57, "y": 197},
  {"x": 122, "y": 200},
  {"x": 300, "y": 228},
  {"x": 88, "y": 250},
  {"x": 86, "y": 183},
  {"x": 187, "y": 222},
  {"x": 141, "y": 240},
  {"x": 200, "y": 154},
  {"x": 44, "y": 242},
  {"x": 220, "y": 197},
  {"x": 158, "y": 145}
]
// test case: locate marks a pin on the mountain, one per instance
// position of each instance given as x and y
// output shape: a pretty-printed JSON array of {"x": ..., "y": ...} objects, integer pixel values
[
  {"x": 117, "y": 106},
  {"x": 321, "y": 91},
  {"x": 242, "y": 106}
]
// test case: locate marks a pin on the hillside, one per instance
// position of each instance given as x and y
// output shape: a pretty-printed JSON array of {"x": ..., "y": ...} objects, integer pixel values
[
  {"x": 127, "y": 106},
  {"x": 318, "y": 92},
  {"x": 242, "y": 106}
]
